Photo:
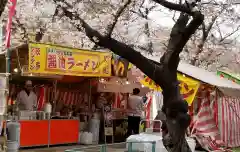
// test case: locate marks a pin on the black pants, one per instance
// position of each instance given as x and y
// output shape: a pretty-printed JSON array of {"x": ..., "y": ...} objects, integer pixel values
[{"x": 133, "y": 125}]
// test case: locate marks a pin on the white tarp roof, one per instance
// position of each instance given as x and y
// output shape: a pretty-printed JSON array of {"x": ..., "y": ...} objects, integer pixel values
[{"x": 227, "y": 87}]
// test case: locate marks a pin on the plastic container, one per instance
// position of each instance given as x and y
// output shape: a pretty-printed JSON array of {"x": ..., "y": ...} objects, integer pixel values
[
  {"x": 86, "y": 138},
  {"x": 94, "y": 127},
  {"x": 142, "y": 142},
  {"x": 14, "y": 132},
  {"x": 48, "y": 108},
  {"x": 12, "y": 146}
]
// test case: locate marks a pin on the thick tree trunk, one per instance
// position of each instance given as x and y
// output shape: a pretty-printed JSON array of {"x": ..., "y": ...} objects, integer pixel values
[{"x": 163, "y": 73}]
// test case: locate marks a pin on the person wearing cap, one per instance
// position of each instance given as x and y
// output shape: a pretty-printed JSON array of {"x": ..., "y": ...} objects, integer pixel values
[
  {"x": 135, "y": 109},
  {"x": 27, "y": 99}
]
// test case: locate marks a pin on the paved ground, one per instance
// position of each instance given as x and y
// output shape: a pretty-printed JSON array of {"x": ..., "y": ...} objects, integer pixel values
[{"x": 77, "y": 149}]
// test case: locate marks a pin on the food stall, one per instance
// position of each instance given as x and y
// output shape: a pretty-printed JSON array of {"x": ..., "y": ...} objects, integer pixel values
[
  {"x": 67, "y": 78},
  {"x": 53, "y": 63}
]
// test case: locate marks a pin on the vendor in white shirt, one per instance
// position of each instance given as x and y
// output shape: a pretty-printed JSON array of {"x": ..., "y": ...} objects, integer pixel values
[
  {"x": 135, "y": 109},
  {"x": 27, "y": 99}
]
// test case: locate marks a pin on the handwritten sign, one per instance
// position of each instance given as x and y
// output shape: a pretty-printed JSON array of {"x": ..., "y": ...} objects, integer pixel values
[
  {"x": 119, "y": 67},
  {"x": 57, "y": 60},
  {"x": 188, "y": 86}
]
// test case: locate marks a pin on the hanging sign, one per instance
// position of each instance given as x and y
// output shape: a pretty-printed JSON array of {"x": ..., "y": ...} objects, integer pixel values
[
  {"x": 230, "y": 76},
  {"x": 11, "y": 14},
  {"x": 57, "y": 60},
  {"x": 188, "y": 86},
  {"x": 120, "y": 66}
]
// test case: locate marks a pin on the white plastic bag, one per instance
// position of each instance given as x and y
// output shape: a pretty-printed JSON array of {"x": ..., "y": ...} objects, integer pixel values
[
  {"x": 82, "y": 137},
  {"x": 94, "y": 127},
  {"x": 86, "y": 138},
  {"x": 89, "y": 138}
]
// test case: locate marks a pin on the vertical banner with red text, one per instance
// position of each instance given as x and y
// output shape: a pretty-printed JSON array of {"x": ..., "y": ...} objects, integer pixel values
[{"x": 11, "y": 13}]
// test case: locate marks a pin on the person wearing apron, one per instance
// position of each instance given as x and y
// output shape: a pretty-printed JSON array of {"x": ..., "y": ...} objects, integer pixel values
[{"x": 27, "y": 99}]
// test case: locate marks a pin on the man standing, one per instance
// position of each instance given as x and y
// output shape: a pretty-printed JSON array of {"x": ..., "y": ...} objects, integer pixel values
[
  {"x": 27, "y": 99},
  {"x": 135, "y": 106}
]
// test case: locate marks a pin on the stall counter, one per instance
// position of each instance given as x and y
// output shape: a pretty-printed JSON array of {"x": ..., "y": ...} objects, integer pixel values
[
  {"x": 34, "y": 133},
  {"x": 48, "y": 132},
  {"x": 64, "y": 131}
]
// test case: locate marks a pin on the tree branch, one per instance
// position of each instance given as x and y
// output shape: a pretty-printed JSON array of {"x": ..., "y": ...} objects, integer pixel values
[
  {"x": 117, "y": 47},
  {"x": 3, "y": 4},
  {"x": 23, "y": 28},
  {"x": 163, "y": 73},
  {"x": 205, "y": 34},
  {"x": 229, "y": 34},
  {"x": 119, "y": 12},
  {"x": 177, "y": 7}
]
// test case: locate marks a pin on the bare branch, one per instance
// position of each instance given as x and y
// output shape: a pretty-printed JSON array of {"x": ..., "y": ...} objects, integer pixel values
[
  {"x": 205, "y": 34},
  {"x": 219, "y": 30},
  {"x": 119, "y": 12},
  {"x": 163, "y": 73},
  {"x": 117, "y": 47},
  {"x": 174, "y": 15},
  {"x": 39, "y": 34},
  {"x": 229, "y": 34},
  {"x": 219, "y": 4},
  {"x": 23, "y": 28}
]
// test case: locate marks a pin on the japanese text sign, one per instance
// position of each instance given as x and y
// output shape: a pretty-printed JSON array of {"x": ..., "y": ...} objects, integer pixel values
[
  {"x": 57, "y": 60},
  {"x": 119, "y": 67},
  {"x": 188, "y": 86}
]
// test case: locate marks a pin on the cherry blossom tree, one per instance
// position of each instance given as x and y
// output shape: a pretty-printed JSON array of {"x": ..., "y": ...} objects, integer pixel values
[
  {"x": 163, "y": 73},
  {"x": 217, "y": 34},
  {"x": 125, "y": 27}
]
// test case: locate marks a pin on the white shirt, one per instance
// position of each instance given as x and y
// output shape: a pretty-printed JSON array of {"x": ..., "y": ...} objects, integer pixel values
[
  {"x": 135, "y": 104},
  {"x": 25, "y": 101}
]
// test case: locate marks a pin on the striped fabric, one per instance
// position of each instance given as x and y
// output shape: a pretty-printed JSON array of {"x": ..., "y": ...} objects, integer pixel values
[
  {"x": 204, "y": 125},
  {"x": 117, "y": 101},
  {"x": 228, "y": 120},
  {"x": 148, "y": 110},
  {"x": 216, "y": 125},
  {"x": 41, "y": 98},
  {"x": 46, "y": 93}
]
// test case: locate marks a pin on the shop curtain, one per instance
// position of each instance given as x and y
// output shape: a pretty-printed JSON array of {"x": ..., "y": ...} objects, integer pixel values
[
  {"x": 117, "y": 101},
  {"x": 41, "y": 98},
  {"x": 69, "y": 98},
  {"x": 205, "y": 128},
  {"x": 148, "y": 110},
  {"x": 228, "y": 120},
  {"x": 12, "y": 92}
]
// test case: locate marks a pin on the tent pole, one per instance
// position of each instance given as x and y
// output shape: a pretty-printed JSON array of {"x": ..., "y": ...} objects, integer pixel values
[
  {"x": 7, "y": 56},
  {"x": 90, "y": 98},
  {"x": 55, "y": 95}
]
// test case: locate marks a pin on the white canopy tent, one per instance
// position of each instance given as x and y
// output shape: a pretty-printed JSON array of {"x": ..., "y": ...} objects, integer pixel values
[{"x": 229, "y": 88}]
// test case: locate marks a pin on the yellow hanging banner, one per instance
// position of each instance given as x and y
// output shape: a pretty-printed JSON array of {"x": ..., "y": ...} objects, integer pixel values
[
  {"x": 57, "y": 60},
  {"x": 188, "y": 86}
]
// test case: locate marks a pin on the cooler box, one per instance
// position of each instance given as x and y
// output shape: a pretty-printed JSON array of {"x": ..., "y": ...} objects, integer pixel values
[{"x": 142, "y": 142}]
